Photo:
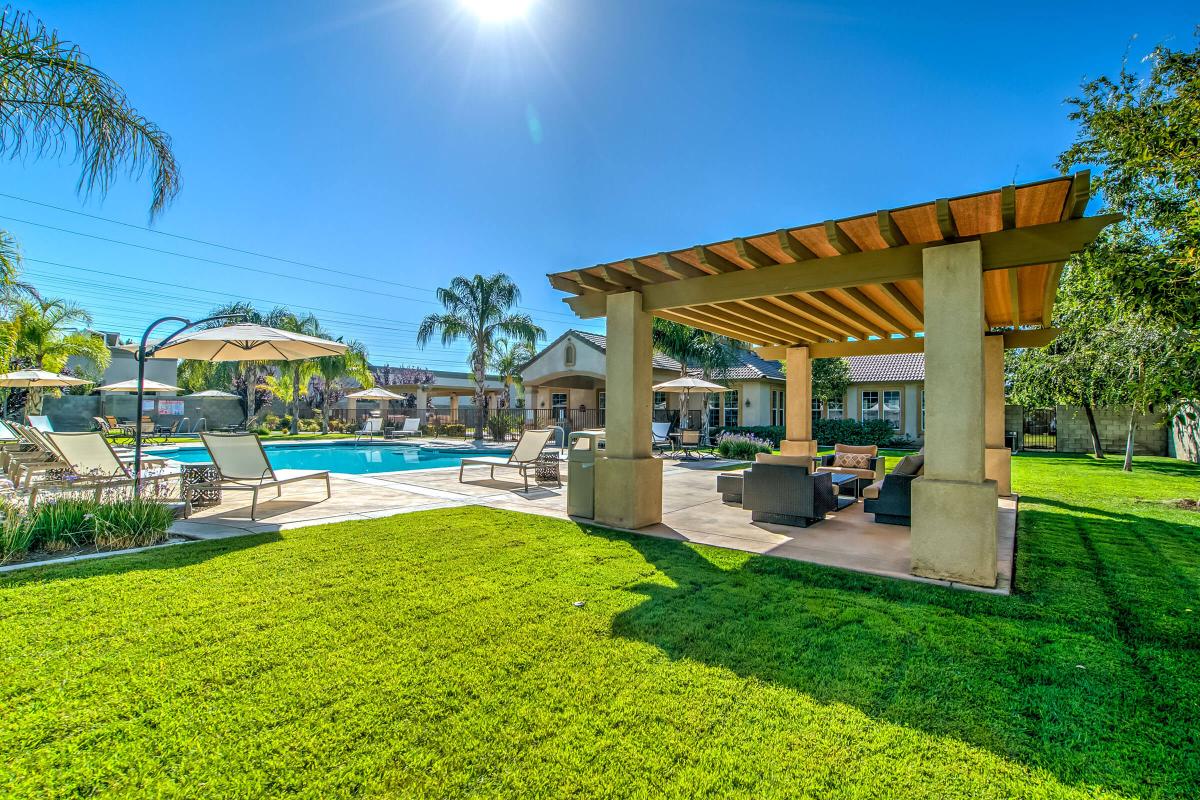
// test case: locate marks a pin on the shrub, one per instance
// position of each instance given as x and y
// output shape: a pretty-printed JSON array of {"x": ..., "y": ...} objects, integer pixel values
[
  {"x": 498, "y": 426},
  {"x": 770, "y": 433},
  {"x": 61, "y": 524},
  {"x": 261, "y": 430},
  {"x": 829, "y": 432},
  {"x": 453, "y": 429},
  {"x": 131, "y": 523},
  {"x": 310, "y": 425},
  {"x": 285, "y": 423},
  {"x": 336, "y": 426},
  {"x": 741, "y": 446},
  {"x": 271, "y": 422}
]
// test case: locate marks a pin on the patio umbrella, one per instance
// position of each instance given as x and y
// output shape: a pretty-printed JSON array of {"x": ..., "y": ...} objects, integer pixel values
[
  {"x": 38, "y": 378},
  {"x": 685, "y": 386},
  {"x": 211, "y": 393},
  {"x": 375, "y": 394},
  {"x": 247, "y": 342},
  {"x": 131, "y": 385},
  {"x": 35, "y": 379}
]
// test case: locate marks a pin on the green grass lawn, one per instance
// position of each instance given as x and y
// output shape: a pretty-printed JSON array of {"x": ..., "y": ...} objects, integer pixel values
[{"x": 442, "y": 655}]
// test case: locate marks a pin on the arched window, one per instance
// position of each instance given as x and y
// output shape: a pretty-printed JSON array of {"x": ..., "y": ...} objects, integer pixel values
[{"x": 569, "y": 357}]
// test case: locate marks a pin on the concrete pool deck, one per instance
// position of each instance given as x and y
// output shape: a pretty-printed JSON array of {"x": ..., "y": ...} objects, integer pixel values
[{"x": 692, "y": 512}]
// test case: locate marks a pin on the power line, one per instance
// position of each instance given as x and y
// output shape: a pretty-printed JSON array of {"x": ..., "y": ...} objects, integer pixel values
[{"x": 341, "y": 272}]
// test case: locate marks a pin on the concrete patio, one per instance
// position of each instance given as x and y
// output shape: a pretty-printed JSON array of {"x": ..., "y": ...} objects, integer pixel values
[{"x": 692, "y": 511}]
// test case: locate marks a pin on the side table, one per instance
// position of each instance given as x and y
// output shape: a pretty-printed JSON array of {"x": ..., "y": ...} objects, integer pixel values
[{"x": 200, "y": 485}]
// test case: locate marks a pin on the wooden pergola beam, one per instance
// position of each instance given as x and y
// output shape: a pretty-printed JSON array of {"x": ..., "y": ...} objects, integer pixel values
[
  {"x": 697, "y": 319},
  {"x": 793, "y": 247},
  {"x": 806, "y": 328},
  {"x": 899, "y": 298},
  {"x": 590, "y": 281},
  {"x": 647, "y": 274},
  {"x": 1014, "y": 295},
  {"x": 836, "y": 309},
  {"x": 678, "y": 267},
  {"x": 859, "y": 296},
  {"x": 889, "y": 230},
  {"x": 742, "y": 311},
  {"x": 838, "y": 239},
  {"x": 1038, "y": 244},
  {"x": 807, "y": 307},
  {"x": 882, "y": 347},
  {"x": 714, "y": 260},
  {"x": 750, "y": 253},
  {"x": 945, "y": 219}
]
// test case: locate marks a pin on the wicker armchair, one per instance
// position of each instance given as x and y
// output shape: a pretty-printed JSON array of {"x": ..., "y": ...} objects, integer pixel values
[{"x": 784, "y": 494}]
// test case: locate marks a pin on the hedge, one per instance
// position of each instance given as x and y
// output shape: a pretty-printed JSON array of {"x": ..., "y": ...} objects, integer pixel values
[{"x": 829, "y": 432}]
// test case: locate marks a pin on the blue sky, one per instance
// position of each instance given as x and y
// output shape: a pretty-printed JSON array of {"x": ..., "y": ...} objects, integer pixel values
[{"x": 397, "y": 144}]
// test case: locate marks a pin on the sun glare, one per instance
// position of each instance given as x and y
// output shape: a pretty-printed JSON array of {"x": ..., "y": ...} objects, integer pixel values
[{"x": 498, "y": 10}]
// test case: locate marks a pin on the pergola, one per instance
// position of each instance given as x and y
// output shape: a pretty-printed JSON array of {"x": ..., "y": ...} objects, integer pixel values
[{"x": 959, "y": 278}]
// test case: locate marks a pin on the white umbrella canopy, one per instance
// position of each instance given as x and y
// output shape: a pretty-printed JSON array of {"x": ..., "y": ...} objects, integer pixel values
[
  {"x": 248, "y": 342},
  {"x": 132, "y": 386},
  {"x": 376, "y": 394},
  {"x": 38, "y": 378},
  {"x": 689, "y": 384},
  {"x": 211, "y": 393}
]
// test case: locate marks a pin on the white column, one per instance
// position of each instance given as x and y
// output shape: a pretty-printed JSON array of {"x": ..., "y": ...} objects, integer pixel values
[{"x": 953, "y": 504}]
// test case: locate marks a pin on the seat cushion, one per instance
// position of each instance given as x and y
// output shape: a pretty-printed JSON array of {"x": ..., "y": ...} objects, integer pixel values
[
  {"x": 872, "y": 492},
  {"x": 858, "y": 473},
  {"x": 909, "y": 465},
  {"x": 790, "y": 461},
  {"x": 861, "y": 449}
]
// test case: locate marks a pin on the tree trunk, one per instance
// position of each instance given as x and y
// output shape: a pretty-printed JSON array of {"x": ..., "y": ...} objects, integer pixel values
[
  {"x": 325, "y": 408},
  {"x": 480, "y": 376},
  {"x": 296, "y": 398},
  {"x": 1097, "y": 445},
  {"x": 248, "y": 378},
  {"x": 1128, "y": 466}
]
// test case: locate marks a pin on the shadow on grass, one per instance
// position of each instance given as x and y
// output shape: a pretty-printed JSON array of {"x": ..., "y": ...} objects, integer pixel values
[
  {"x": 1113, "y": 462},
  {"x": 1069, "y": 678},
  {"x": 158, "y": 558}
]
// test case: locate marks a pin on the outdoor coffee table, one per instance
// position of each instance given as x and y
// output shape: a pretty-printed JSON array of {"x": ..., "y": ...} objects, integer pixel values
[{"x": 847, "y": 489}]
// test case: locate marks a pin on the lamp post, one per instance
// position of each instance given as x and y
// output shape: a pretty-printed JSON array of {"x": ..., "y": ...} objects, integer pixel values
[{"x": 143, "y": 352}]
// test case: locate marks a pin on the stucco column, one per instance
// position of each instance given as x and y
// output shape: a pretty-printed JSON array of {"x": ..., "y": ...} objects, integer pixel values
[
  {"x": 628, "y": 478},
  {"x": 997, "y": 458},
  {"x": 953, "y": 503},
  {"x": 798, "y": 410}
]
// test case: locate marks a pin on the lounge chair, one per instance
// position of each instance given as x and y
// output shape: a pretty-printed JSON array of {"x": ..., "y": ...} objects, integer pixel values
[
  {"x": 372, "y": 427},
  {"x": 41, "y": 422},
  {"x": 411, "y": 427},
  {"x": 242, "y": 464},
  {"x": 92, "y": 460},
  {"x": 659, "y": 436},
  {"x": 44, "y": 456},
  {"x": 524, "y": 456}
]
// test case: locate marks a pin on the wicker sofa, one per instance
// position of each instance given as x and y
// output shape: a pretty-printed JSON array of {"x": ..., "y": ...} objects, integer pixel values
[
  {"x": 890, "y": 498},
  {"x": 781, "y": 490}
]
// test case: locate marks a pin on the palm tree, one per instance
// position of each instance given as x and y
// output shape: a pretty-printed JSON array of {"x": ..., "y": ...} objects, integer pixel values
[
  {"x": 507, "y": 360},
  {"x": 45, "y": 334},
  {"x": 332, "y": 369},
  {"x": 710, "y": 353},
  {"x": 477, "y": 309},
  {"x": 51, "y": 97},
  {"x": 300, "y": 372}
]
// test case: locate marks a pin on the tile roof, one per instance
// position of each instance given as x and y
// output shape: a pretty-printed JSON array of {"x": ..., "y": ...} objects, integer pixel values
[
  {"x": 877, "y": 369},
  {"x": 863, "y": 369}
]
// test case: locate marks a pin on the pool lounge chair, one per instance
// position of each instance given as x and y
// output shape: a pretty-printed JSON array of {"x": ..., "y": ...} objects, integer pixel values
[
  {"x": 411, "y": 427},
  {"x": 243, "y": 465},
  {"x": 94, "y": 463},
  {"x": 524, "y": 456},
  {"x": 372, "y": 427},
  {"x": 41, "y": 422}
]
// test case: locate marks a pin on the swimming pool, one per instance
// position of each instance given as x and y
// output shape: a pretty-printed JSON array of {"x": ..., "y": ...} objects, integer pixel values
[{"x": 354, "y": 459}]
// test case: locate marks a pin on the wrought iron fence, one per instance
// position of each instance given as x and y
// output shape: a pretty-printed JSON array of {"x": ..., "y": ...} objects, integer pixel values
[
  {"x": 1039, "y": 429},
  {"x": 509, "y": 422}
]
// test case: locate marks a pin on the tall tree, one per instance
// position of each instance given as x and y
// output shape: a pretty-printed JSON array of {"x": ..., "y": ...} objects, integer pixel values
[
  {"x": 478, "y": 311},
  {"x": 507, "y": 360},
  {"x": 709, "y": 353},
  {"x": 830, "y": 379},
  {"x": 352, "y": 364},
  {"x": 53, "y": 100},
  {"x": 45, "y": 335}
]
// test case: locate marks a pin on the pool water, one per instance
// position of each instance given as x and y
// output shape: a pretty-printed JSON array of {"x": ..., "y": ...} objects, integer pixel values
[{"x": 354, "y": 459}]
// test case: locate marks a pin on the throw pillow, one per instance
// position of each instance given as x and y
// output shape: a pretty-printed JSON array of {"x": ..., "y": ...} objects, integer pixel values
[
  {"x": 909, "y": 465},
  {"x": 852, "y": 460}
]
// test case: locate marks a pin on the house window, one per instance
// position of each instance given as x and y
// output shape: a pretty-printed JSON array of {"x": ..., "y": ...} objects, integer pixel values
[
  {"x": 714, "y": 410},
  {"x": 569, "y": 355},
  {"x": 558, "y": 405},
  {"x": 778, "y": 407},
  {"x": 601, "y": 397},
  {"x": 660, "y": 401},
  {"x": 731, "y": 409},
  {"x": 816, "y": 410},
  {"x": 891, "y": 408},
  {"x": 835, "y": 409},
  {"x": 870, "y": 406}
]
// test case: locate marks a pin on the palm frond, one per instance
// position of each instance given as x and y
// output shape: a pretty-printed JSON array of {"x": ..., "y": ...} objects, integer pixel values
[{"x": 51, "y": 94}]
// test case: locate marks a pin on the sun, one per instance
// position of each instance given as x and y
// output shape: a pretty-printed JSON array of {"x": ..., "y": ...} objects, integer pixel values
[{"x": 498, "y": 10}]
